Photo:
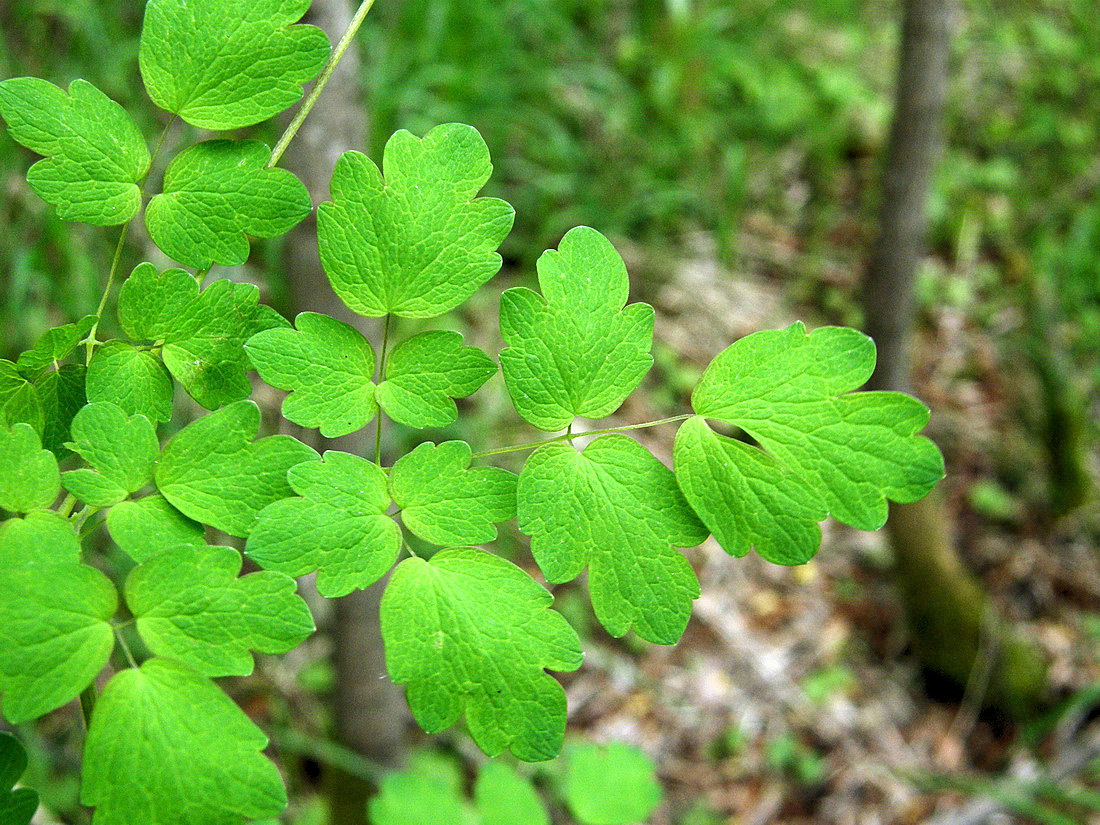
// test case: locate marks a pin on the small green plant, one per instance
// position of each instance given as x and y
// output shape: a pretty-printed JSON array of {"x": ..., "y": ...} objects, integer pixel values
[{"x": 469, "y": 634}]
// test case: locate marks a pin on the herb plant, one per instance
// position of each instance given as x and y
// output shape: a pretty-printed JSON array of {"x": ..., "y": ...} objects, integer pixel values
[{"x": 469, "y": 634}]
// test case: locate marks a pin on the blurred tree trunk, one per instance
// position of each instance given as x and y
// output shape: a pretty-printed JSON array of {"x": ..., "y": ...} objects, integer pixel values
[
  {"x": 368, "y": 710},
  {"x": 955, "y": 632}
]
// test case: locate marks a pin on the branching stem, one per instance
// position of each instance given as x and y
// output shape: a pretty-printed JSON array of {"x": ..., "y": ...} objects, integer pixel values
[{"x": 569, "y": 435}]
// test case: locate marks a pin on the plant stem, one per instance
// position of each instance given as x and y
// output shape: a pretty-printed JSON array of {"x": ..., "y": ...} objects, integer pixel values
[
  {"x": 125, "y": 647},
  {"x": 381, "y": 378},
  {"x": 569, "y": 436},
  {"x": 88, "y": 697},
  {"x": 322, "y": 81}
]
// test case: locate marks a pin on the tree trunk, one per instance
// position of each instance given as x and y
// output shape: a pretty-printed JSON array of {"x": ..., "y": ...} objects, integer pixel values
[
  {"x": 368, "y": 710},
  {"x": 955, "y": 632}
]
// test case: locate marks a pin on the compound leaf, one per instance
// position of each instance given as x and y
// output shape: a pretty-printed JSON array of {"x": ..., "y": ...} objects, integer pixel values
[
  {"x": 131, "y": 378},
  {"x": 213, "y": 472},
  {"x": 62, "y": 393},
  {"x": 198, "y": 756},
  {"x": 417, "y": 242},
  {"x": 202, "y": 333},
  {"x": 424, "y": 374},
  {"x": 224, "y": 64},
  {"x": 613, "y": 785},
  {"x": 792, "y": 393},
  {"x": 445, "y": 502},
  {"x": 121, "y": 450},
  {"x": 19, "y": 400},
  {"x": 470, "y": 632},
  {"x": 29, "y": 478},
  {"x": 506, "y": 798},
  {"x": 17, "y": 807},
  {"x": 54, "y": 630},
  {"x": 337, "y": 526},
  {"x": 191, "y": 605},
  {"x": 146, "y": 526},
  {"x": 217, "y": 193},
  {"x": 54, "y": 345},
  {"x": 574, "y": 350},
  {"x": 327, "y": 365},
  {"x": 617, "y": 510},
  {"x": 94, "y": 154}
]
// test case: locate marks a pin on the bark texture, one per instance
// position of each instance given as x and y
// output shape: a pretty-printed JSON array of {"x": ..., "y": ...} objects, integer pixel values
[{"x": 955, "y": 632}]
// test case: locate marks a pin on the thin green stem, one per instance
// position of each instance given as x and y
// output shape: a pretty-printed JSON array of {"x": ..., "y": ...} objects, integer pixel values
[
  {"x": 67, "y": 505},
  {"x": 569, "y": 436},
  {"x": 125, "y": 648},
  {"x": 88, "y": 698},
  {"x": 381, "y": 377},
  {"x": 322, "y": 81}
]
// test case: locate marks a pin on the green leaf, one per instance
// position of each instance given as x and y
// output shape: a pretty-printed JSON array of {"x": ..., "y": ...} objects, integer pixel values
[
  {"x": 54, "y": 345},
  {"x": 19, "y": 401},
  {"x": 424, "y": 374},
  {"x": 616, "y": 785},
  {"x": 791, "y": 392},
  {"x": 94, "y": 154},
  {"x": 470, "y": 632},
  {"x": 417, "y": 243},
  {"x": 574, "y": 350},
  {"x": 62, "y": 394},
  {"x": 202, "y": 333},
  {"x": 213, "y": 472},
  {"x": 217, "y": 193},
  {"x": 746, "y": 497},
  {"x": 191, "y": 606},
  {"x": 133, "y": 379},
  {"x": 416, "y": 799},
  {"x": 54, "y": 630},
  {"x": 224, "y": 64},
  {"x": 196, "y": 755},
  {"x": 121, "y": 449},
  {"x": 617, "y": 510},
  {"x": 506, "y": 798},
  {"x": 327, "y": 365},
  {"x": 29, "y": 478},
  {"x": 17, "y": 807},
  {"x": 337, "y": 526},
  {"x": 146, "y": 526},
  {"x": 444, "y": 502}
]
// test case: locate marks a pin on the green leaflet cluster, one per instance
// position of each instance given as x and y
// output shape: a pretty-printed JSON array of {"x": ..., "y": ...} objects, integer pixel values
[{"x": 471, "y": 636}]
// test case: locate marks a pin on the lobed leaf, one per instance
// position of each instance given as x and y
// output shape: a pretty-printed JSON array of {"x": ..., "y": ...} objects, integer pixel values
[
  {"x": 149, "y": 525},
  {"x": 327, "y": 365},
  {"x": 133, "y": 379},
  {"x": 415, "y": 798},
  {"x": 471, "y": 633},
  {"x": 416, "y": 242},
  {"x": 214, "y": 473},
  {"x": 337, "y": 526},
  {"x": 445, "y": 502},
  {"x": 19, "y": 400},
  {"x": 53, "y": 346},
  {"x": 217, "y": 193},
  {"x": 577, "y": 349},
  {"x": 29, "y": 478},
  {"x": 121, "y": 450},
  {"x": 224, "y": 64},
  {"x": 616, "y": 510},
  {"x": 94, "y": 154},
  {"x": 506, "y": 798},
  {"x": 17, "y": 806},
  {"x": 62, "y": 393},
  {"x": 612, "y": 785}
]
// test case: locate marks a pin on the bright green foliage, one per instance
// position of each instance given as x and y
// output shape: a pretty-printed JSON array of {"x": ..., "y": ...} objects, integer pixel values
[
  {"x": 132, "y": 378},
  {"x": 29, "y": 478},
  {"x": 191, "y": 606},
  {"x": 203, "y": 333},
  {"x": 415, "y": 799},
  {"x": 338, "y": 526},
  {"x": 54, "y": 345},
  {"x": 54, "y": 611},
  {"x": 470, "y": 632},
  {"x": 197, "y": 756},
  {"x": 444, "y": 502},
  {"x": 213, "y": 472},
  {"x": 506, "y": 798},
  {"x": 615, "y": 509},
  {"x": 613, "y": 785},
  {"x": 122, "y": 450},
  {"x": 426, "y": 372},
  {"x": 418, "y": 242},
  {"x": 223, "y": 64},
  {"x": 94, "y": 154},
  {"x": 146, "y": 526},
  {"x": 787, "y": 389},
  {"x": 215, "y": 194},
  {"x": 329, "y": 368},
  {"x": 19, "y": 401},
  {"x": 17, "y": 807},
  {"x": 574, "y": 350},
  {"x": 61, "y": 392}
]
